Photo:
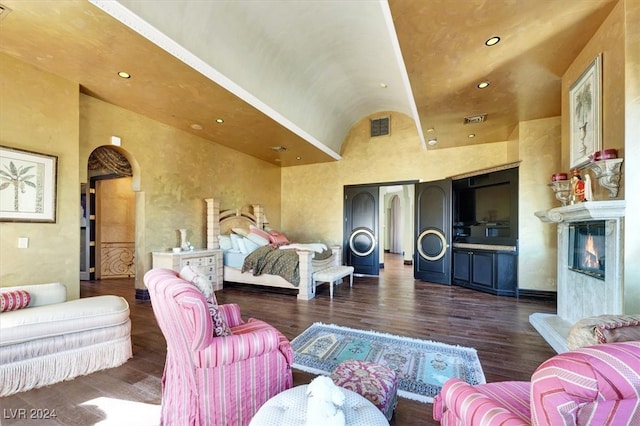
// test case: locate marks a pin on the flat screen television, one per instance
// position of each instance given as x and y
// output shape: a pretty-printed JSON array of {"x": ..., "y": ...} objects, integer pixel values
[{"x": 485, "y": 209}]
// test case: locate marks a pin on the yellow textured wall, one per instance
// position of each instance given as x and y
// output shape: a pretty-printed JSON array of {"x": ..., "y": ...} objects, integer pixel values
[
  {"x": 175, "y": 172},
  {"x": 618, "y": 39},
  {"x": 609, "y": 40},
  {"x": 312, "y": 196},
  {"x": 539, "y": 147},
  {"x": 632, "y": 155},
  {"x": 116, "y": 210},
  {"x": 46, "y": 124}
]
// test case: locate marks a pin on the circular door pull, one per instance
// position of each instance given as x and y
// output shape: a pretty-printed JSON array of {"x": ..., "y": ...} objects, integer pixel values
[
  {"x": 359, "y": 235},
  {"x": 431, "y": 233}
]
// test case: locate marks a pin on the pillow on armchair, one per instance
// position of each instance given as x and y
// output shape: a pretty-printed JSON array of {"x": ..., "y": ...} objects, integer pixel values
[{"x": 220, "y": 326}]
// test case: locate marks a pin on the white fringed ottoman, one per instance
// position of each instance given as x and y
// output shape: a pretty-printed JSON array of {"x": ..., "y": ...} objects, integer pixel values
[
  {"x": 289, "y": 408},
  {"x": 377, "y": 383}
]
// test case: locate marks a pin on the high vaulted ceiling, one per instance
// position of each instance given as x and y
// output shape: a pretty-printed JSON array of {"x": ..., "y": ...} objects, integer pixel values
[{"x": 300, "y": 74}]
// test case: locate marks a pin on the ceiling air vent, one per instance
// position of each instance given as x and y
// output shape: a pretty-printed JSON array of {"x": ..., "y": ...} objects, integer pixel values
[
  {"x": 379, "y": 126},
  {"x": 473, "y": 119}
]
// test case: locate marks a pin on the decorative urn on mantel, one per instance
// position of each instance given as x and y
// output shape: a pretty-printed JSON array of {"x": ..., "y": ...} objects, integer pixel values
[
  {"x": 608, "y": 173},
  {"x": 606, "y": 169}
]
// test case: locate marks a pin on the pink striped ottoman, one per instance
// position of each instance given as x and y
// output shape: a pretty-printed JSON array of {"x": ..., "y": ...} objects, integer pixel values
[{"x": 377, "y": 383}]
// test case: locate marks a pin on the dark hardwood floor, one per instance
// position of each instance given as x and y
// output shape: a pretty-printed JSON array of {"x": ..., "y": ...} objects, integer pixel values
[{"x": 498, "y": 327}]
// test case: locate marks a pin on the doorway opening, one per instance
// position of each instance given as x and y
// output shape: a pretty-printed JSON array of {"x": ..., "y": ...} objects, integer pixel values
[
  {"x": 397, "y": 221},
  {"x": 378, "y": 219},
  {"x": 108, "y": 217}
]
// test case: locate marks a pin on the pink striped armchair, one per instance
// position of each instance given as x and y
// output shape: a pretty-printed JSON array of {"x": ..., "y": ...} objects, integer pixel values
[
  {"x": 211, "y": 380},
  {"x": 595, "y": 385}
]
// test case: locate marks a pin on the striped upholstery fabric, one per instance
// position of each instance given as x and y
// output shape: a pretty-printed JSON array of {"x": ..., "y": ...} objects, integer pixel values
[
  {"x": 500, "y": 403},
  {"x": 211, "y": 380},
  {"x": 595, "y": 385}
]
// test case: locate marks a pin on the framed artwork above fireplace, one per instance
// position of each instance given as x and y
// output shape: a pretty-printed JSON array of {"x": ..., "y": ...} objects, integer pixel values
[{"x": 585, "y": 114}]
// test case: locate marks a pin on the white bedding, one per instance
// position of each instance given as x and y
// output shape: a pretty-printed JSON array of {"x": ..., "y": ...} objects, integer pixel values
[
  {"x": 234, "y": 258},
  {"x": 317, "y": 247}
]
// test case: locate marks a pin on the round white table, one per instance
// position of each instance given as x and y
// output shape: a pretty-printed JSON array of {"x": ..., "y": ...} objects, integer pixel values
[{"x": 289, "y": 408}]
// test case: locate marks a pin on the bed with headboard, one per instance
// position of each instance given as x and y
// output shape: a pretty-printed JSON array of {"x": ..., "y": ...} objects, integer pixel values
[{"x": 240, "y": 233}]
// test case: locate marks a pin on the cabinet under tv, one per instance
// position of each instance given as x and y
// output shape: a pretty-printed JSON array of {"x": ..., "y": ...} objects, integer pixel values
[{"x": 485, "y": 232}]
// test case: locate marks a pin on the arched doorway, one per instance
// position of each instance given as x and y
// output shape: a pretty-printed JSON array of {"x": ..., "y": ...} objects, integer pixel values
[{"x": 108, "y": 217}]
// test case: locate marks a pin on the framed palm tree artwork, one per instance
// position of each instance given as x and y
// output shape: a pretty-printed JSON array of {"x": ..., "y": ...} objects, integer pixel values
[
  {"x": 585, "y": 103},
  {"x": 28, "y": 185}
]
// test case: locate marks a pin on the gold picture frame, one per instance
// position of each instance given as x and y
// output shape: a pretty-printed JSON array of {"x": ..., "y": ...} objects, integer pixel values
[
  {"x": 585, "y": 112},
  {"x": 28, "y": 186}
]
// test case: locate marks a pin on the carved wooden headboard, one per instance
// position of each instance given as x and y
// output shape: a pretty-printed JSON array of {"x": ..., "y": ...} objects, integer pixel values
[{"x": 220, "y": 222}]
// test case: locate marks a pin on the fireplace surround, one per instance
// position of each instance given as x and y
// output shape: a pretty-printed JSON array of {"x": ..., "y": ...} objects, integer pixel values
[{"x": 582, "y": 294}]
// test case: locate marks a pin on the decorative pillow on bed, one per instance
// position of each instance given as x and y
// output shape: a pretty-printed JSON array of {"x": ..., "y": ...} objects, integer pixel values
[
  {"x": 225, "y": 242},
  {"x": 234, "y": 241},
  {"x": 240, "y": 231},
  {"x": 247, "y": 245},
  {"x": 264, "y": 235},
  {"x": 277, "y": 238},
  {"x": 14, "y": 300},
  {"x": 257, "y": 239}
]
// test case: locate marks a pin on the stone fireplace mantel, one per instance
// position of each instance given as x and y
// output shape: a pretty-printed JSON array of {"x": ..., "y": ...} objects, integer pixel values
[
  {"x": 581, "y": 212},
  {"x": 580, "y": 296}
]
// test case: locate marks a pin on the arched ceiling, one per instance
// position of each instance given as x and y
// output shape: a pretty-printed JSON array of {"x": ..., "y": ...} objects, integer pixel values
[{"x": 300, "y": 74}]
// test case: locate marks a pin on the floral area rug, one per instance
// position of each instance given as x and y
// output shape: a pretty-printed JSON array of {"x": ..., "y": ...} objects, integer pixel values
[{"x": 422, "y": 365}]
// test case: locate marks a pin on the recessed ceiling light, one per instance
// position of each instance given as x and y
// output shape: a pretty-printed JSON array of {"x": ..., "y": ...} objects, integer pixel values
[
  {"x": 471, "y": 135},
  {"x": 219, "y": 120},
  {"x": 123, "y": 74},
  {"x": 492, "y": 41},
  {"x": 383, "y": 85},
  {"x": 298, "y": 158},
  {"x": 430, "y": 130},
  {"x": 483, "y": 84},
  {"x": 196, "y": 126},
  {"x": 432, "y": 142}
]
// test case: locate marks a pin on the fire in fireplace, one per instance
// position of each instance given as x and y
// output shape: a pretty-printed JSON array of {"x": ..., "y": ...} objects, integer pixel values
[{"x": 587, "y": 248}]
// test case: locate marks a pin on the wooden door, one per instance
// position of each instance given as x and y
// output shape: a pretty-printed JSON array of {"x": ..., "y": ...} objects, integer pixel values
[
  {"x": 433, "y": 232},
  {"x": 361, "y": 240}
]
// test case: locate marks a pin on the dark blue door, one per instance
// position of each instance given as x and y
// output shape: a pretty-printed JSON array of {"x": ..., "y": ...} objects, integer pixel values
[
  {"x": 433, "y": 232},
  {"x": 361, "y": 246}
]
